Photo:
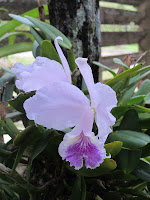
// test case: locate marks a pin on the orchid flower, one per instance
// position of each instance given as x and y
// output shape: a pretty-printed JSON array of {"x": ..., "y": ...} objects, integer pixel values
[
  {"x": 42, "y": 71},
  {"x": 60, "y": 105}
]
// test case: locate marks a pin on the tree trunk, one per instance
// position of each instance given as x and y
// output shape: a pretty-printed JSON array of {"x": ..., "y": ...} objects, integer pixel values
[{"x": 79, "y": 20}]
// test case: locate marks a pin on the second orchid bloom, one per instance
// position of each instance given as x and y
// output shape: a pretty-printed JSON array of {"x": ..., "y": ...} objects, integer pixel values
[{"x": 59, "y": 105}]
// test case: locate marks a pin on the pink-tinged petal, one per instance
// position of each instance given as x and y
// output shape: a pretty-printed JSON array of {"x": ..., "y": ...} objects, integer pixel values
[
  {"x": 19, "y": 68},
  {"x": 85, "y": 124},
  {"x": 58, "y": 105},
  {"x": 43, "y": 71},
  {"x": 76, "y": 148},
  {"x": 86, "y": 72},
  {"x": 81, "y": 143},
  {"x": 104, "y": 99},
  {"x": 63, "y": 59}
]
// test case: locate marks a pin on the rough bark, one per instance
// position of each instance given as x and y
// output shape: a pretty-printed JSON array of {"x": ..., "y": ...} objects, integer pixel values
[{"x": 79, "y": 20}]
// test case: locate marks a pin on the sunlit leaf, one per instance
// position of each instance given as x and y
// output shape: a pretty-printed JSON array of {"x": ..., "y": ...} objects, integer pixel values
[
  {"x": 113, "y": 148},
  {"x": 124, "y": 75},
  {"x": 48, "y": 51}
]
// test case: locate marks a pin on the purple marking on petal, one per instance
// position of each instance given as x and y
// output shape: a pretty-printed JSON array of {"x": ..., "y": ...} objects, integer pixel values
[{"x": 84, "y": 148}]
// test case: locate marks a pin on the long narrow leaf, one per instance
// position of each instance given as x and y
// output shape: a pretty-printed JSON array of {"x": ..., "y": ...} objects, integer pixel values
[
  {"x": 51, "y": 31},
  {"x": 11, "y": 25},
  {"x": 15, "y": 34},
  {"x": 118, "y": 61},
  {"x": 105, "y": 67},
  {"x": 143, "y": 70},
  {"x": 124, "y": 75},
  {"x": 36, "y": 35},
  {"x": 15, "y": 48},
  {"x": 7, "y": 70}
]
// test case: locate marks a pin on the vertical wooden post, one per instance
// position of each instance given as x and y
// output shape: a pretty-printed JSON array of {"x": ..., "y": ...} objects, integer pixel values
[{"x": 145, "y": 27}]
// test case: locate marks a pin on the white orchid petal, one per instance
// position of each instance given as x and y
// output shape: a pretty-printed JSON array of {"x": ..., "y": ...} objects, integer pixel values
[
  {"x": 86, "y": 72},
  {"x": 104, "y": 99},
  {"x": 58, "y": 105},
  {"x": 63, "y": 59},
  {"x": 42, "y": 72},
  {"x": 19, "y": 68}
]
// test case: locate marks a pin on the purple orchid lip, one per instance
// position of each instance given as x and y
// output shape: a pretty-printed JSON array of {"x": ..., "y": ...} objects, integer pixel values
[{"x": 84, "y": 148}]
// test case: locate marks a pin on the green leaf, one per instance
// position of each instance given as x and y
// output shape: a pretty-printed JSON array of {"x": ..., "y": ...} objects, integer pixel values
[
  {"x": 146, "y": 151},
  {"x": 11, "y": 25},
  {"x": 51, "y": 31},
  {"x": 36, "y": 50},
  {"x": 98, "y": 198},
  {"x": 4, "y": 153},
  {"x": 124, "y": 75},
  {"x": 119, "y": 111},
  {"x": 12, "y": 127},
  {"x": 17, "y": 103},
  {"x": 13, "y": 115},
  {"x": 142, "y": 109},
  {"x": 143, "y": 171},
  {"x": 22, "y": 19},
  {"x": 147, "y": 99},
  {"x": 144, "y": 88},
  {"x": 113, "y": 148},
  {"x": 11, "y": 39},
  {"x": 79, "y": 189},
  {"x": 10, "y": 78},
  {"x": 107, "y": 166},
  {"x": 28, "y": 136},
  {"x": 9, "y": 128},
  {"x": 130, "y": 121},
  {"x": 104, "y": 67},
  {"x": 118, "y": 61},
  {"x": 118, "y": 86},
  {"x": 143, "y": 70},
  {"x": 18, "y": 157},
  {"x": 48, "y": 51},
  {"x": 15, "y": 34},
  {"x": 36, "y": 35},
  {"x": 71, "y": 60},
  {"x": 52, "y": 147},
  {"x": 134, "y": 100},
  {"x": 38, "y": 148},
  {"x": 130, "y": 139},
  {"x": 127, "y": 160},
  {"x": 128, "y": 94},
  {"x": 15, "y": 48},
  {"x": 6, "y": 69}
]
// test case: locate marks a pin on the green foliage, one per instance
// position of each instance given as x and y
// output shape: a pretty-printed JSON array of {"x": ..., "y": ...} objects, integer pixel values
[
  {"x": 118, "y": 61},
  {"x": 105, "y": 67},
  {"x": 124, "y": 174},
  {"x": 15, "y": 48},
  {"x": 48, "y": 50},
  {"x": 9, "y": 30}
]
